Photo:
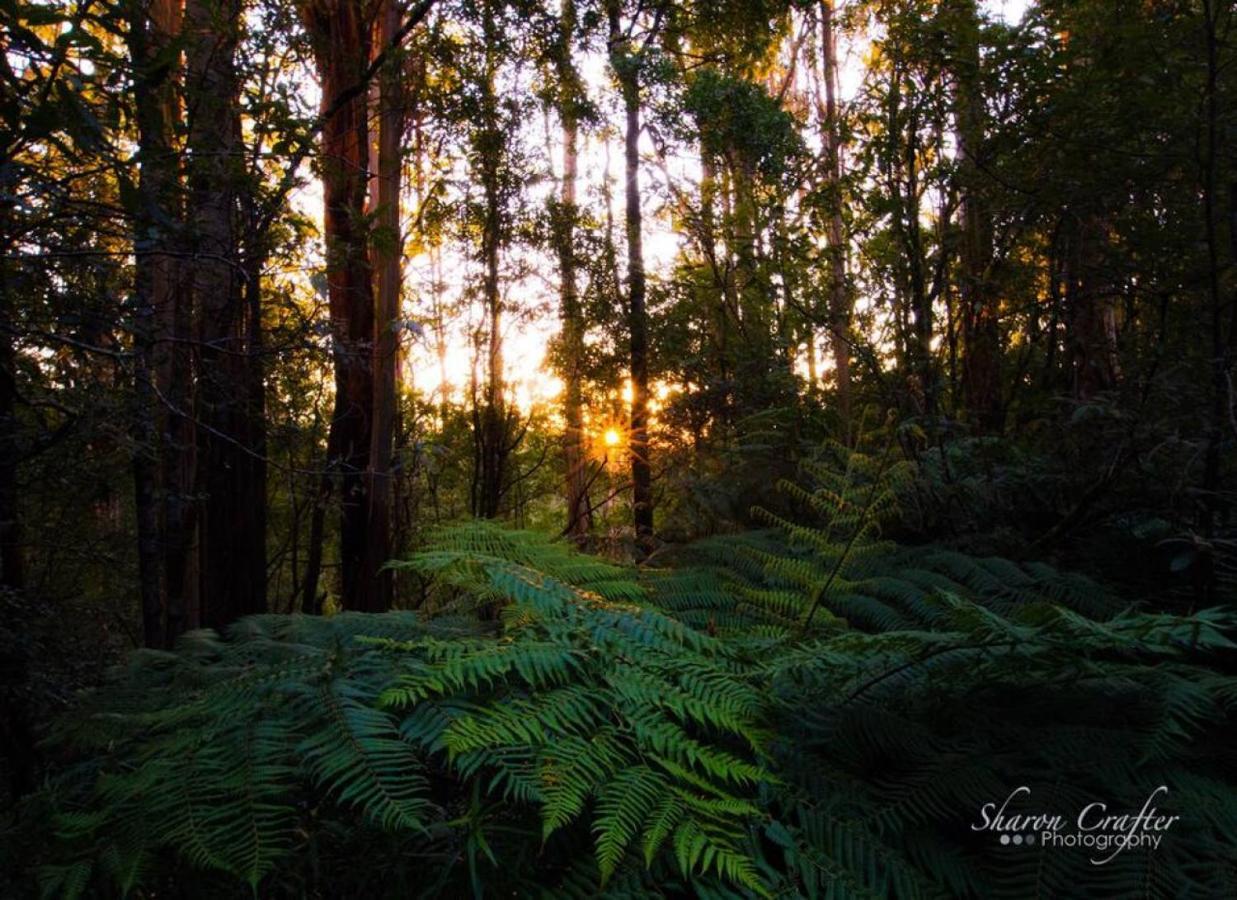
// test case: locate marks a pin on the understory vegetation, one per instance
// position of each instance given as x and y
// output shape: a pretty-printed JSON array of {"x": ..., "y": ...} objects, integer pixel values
[{"x": 794, "y": 711}]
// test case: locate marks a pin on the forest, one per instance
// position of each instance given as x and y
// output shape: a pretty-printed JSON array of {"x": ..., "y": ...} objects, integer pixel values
[{"x": 618, "y": 448}]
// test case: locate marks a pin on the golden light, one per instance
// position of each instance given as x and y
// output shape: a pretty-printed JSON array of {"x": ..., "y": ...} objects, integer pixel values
[{"x": 612, "y": 437}]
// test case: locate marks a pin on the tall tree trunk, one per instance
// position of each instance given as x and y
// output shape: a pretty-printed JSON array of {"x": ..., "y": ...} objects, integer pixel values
[
  {"x": 716, "y": 295},
  {"x": 1223, "y": 349},
  {"x": 158, "y": 435},
  {"x": 901, "y": 168},
  {"x": 341, "y": 36},
  {"x": 981, "y": 341},
  {"x": 917, "y": 338},
  {"x": 626, "y": 68},
  {"x": 388, "y": 255},
  {"x": 579, "y": 510},
  {"x": 255, "y": 257},
  {"x": 12, "y": 562},
  {"x": 17, "y": 740},
  {"x": 174, "y": 367},
  {"x": 839, "y": 295},
  {"x": 493, "y": 450},
  {"x": 231, "y": 584}
]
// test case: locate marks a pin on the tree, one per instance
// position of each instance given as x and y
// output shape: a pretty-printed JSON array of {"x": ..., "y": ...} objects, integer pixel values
[
  {"x": 492, "y": 428},
  {"x": 981, "y": 337},
  {"x": 388, "y": 252},
  {"x": 570, "y": 102},
  {"x": 839, "y": 291},
  {"x": 231, "y": 563},
  {"x": 162, "y": 430},
  {"x": 341, "y": 34},
  {"x": 625, "y": 62}
]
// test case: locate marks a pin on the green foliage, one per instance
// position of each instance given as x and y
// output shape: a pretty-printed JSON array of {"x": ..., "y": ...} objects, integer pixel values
[
  {"x": 577, "y": 712},
  {"x": 555, "y": 723},
  {"x": 940, "y": 681},
  {"x": 843, "y": 571},
  {"x": 741, "y": 123}
]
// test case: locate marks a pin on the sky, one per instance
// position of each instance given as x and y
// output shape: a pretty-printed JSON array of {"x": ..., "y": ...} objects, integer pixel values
[{"x": 1009, "y": 10}]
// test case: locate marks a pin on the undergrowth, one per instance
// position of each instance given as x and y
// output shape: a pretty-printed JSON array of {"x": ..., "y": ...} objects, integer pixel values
[{"x": 809, "y": 710}]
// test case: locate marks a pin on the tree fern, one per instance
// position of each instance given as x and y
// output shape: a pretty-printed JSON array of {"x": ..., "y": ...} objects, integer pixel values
[
  {"x": 386, "y": 727},
  {"x": 554, "y": 724}
]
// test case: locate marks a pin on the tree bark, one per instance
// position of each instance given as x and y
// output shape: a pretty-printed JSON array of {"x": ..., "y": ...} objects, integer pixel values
[
  {"x": 255, "y": 256},
  {"x": 839, "y": 295},
  {"x": 493, "y": 448},
  {"x": 1223, "y": 347},
  {"x": 311, "y": 599},
  {"x": 173, "y": 354},
  {"x": 230, "y": 564},
  {"x": 12, "y": 560},
  {"x": 388, "y": 256},
  {"x": 626, "y": 68},
  {"x": 159, "y": 436},
  {"x": 579, "y": 510},
  {"x": 341, "y": 36},
  {"x": 717, "y": 297},
  {"x": 981, "y": 341}
]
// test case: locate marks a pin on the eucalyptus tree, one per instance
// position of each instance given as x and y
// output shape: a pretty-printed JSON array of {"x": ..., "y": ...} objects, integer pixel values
[
  {"x": 198, "y": 388},
  {"x": 341, "y": 33},
  {"x": 491, "y": 414},
  {"x": 629, "y": 44},
  {"x": 832, "y": 135},
  {"x": 391, "y": 94},
  {"x": 161, "y": 321},
  {"x": 229, "y": 476},
  {"x": 980, "y": 312},
  {"x": 571, "y": 103}
]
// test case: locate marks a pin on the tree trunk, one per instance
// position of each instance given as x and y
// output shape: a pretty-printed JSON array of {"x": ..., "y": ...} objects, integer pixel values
[
  {"x": 255, "y": 382},
  {"x": 626, "y": 67},
  {"x": 174, "y": 363},
  {"x": 839, "y": 295},
  {"x": 579, "y": 510},
  {"x": 491, "y": 420},
  {"x": 715, "y": 297},
  {"x": 158, "y": 435},
  {"x": 1223, "y": 347},
  {"x": 388, "y": 256},
  {"x": 17, "y": 740},
  {"x": 981, "y": 342},
  {"x": 12, "y": 563},
  {"x": 341, "y": 37},
  {"x": 230, "y": 565}
]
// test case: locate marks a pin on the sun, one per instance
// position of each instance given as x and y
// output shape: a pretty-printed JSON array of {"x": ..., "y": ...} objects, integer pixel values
[{"x": 612, "y": 437}]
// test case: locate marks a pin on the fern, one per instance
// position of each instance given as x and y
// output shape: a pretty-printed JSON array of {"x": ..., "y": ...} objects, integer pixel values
[
  {"x": 584, "y": 709},
  {"x": 553, "y": 724}
]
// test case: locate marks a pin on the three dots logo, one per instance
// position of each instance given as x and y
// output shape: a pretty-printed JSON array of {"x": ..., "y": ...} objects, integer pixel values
[{"x": 1018, "y": 840}]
